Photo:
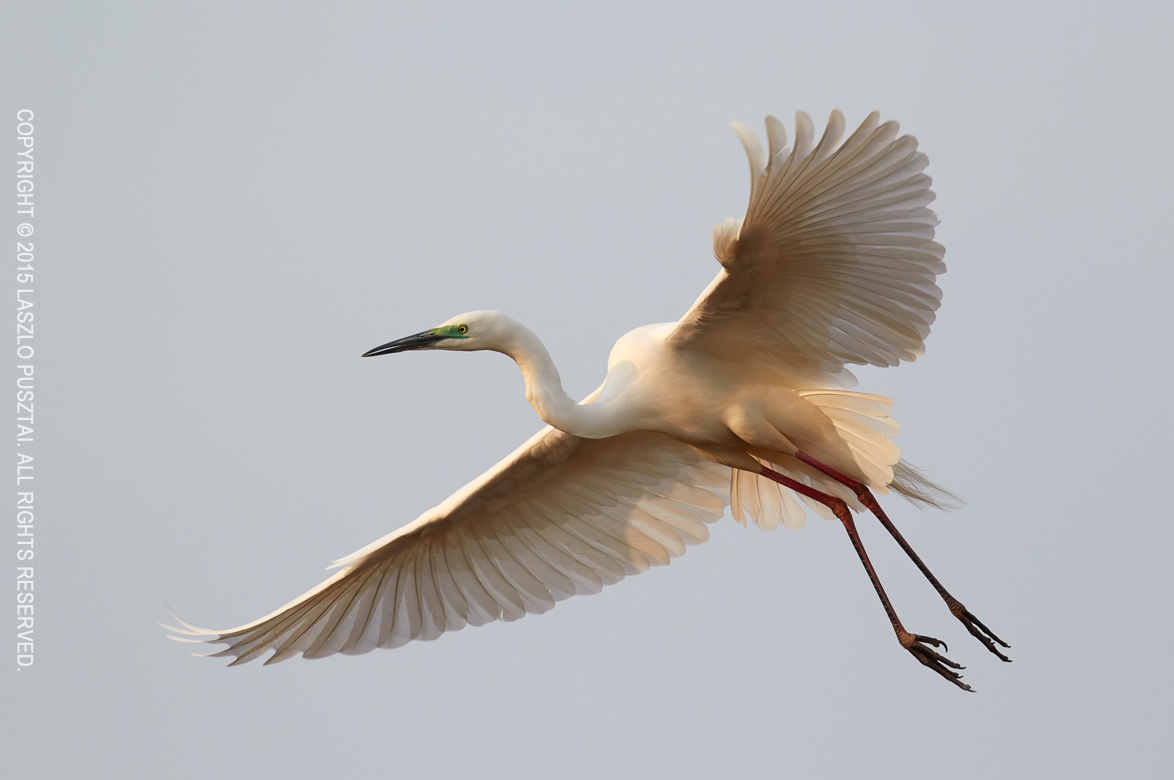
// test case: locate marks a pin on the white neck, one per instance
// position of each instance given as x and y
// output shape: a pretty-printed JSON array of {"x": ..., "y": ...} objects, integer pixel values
[{"x": 544, "y": 391}]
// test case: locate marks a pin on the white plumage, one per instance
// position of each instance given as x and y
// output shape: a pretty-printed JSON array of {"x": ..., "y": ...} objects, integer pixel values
[{"x": 740, "y": 402}]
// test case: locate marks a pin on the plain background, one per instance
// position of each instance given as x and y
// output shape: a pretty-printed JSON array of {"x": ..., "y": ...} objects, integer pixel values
[{"x": 235, "y": 201}]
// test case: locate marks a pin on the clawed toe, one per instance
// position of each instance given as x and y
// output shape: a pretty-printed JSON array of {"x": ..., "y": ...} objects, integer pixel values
[
  {"x": 978, "y": 630},
  {"x": 919, "y": 646}
]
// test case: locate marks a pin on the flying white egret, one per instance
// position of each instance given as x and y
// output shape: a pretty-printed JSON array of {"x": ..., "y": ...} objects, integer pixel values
[{"x": 742, "y": 401}]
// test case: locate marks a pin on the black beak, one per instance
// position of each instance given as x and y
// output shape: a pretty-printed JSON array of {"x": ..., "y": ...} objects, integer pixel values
[{"x": 417, "y": 341}]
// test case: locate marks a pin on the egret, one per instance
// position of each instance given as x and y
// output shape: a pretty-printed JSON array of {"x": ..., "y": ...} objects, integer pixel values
[{"x": 742, "y": 401}]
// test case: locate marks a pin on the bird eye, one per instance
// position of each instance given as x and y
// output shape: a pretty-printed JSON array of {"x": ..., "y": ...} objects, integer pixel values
[{"x": 462, "y": 329}]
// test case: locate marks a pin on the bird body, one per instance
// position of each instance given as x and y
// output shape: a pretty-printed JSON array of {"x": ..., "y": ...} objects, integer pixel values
[
  {"x": 738, "y": 416},
  {"x": 743, "y": 401}
]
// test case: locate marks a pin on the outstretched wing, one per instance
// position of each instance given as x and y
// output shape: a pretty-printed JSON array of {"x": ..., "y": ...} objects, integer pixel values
[
  {"x": 834, "y": 262},
  {"x": 560, "y": 516}
]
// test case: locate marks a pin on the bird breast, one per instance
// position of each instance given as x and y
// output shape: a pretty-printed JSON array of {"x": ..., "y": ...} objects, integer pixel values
[
  {"x": 717, "y": 405},
  {"x": 655, "y": 387}
]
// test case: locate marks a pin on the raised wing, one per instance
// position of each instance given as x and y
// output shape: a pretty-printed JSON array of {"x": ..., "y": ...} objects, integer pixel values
[
  {"x": 834, "y": 262},
  {"x": 560, "y": 516}
]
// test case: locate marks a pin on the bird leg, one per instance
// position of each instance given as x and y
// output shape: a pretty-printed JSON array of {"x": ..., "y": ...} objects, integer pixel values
[
  {"x": 973, "y": 624},
  {"x": 916, "y": 644}
]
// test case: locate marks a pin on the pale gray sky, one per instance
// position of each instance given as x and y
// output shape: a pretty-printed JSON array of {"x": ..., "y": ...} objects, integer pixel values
[{"x": 234, "y": 203}]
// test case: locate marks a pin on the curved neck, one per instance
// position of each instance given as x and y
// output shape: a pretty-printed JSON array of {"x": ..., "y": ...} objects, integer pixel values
[{"x": 544, "y": 391}]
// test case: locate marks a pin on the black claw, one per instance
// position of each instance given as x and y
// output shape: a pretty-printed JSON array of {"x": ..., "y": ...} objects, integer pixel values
[
  {"x": 983, "y": 634},
  {"x": 936, "y": 661},
  {"x": 933, "y": 641}
]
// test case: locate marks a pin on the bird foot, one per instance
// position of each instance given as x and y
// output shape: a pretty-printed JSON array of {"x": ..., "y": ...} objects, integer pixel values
[
  {"x": 978, "y": 630},
  {"x": 919, "y": 646}
]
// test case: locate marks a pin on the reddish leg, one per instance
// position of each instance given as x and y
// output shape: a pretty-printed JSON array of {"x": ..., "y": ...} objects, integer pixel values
[
  {"x": 914, "y": 643},
  {"x": 973, "y": 624}
]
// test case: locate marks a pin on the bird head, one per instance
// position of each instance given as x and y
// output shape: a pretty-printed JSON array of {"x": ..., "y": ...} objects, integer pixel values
[{"x": 467, "y": 332}]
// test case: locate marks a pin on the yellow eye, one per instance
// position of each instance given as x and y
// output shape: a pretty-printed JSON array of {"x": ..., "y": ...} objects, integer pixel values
[{"x": 462, "y": 329}]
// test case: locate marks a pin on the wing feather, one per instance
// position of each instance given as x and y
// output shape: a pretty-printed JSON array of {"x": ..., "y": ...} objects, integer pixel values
[
  {"x": 406, "y": 608},
  {"x": 482, "y": 607},
  {"x": 342, "y": 616},
  {"x": 560, "y": 516},
  {"x": 361, "y": 636}
]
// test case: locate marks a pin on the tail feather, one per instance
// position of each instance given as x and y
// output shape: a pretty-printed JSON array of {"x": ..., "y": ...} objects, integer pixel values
[
  {"x": 865, "y": 426},
  {"x": 865, "y": 429},
  {"x": 919, "y": 489}
]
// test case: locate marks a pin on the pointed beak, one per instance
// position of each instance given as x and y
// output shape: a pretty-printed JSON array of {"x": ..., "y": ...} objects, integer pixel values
[{"x": 416, "y": 341}]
